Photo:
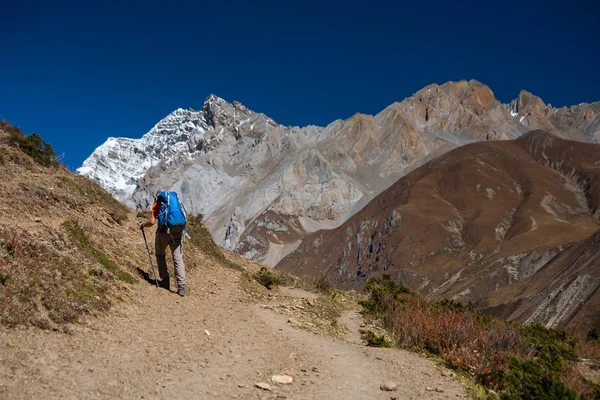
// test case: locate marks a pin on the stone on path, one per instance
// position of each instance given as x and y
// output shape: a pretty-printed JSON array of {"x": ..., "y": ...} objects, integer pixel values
[
  {"x": 388, "y": 386},
  {"x": 263, "y": 386},
  {"x": 285, "y": 379}
]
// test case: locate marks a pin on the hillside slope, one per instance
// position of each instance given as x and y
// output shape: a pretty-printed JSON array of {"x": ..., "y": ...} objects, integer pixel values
[
  {"x": 564, "y": 293},
  {"x": 471, "y": 222}
]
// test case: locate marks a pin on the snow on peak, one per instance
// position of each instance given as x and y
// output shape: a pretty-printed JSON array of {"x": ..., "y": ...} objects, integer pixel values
[
  {"x": 214, "y": 98},
  {"x": 118, "y": 163}
]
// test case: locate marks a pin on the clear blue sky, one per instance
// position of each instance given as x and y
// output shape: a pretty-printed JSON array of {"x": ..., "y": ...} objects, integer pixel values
[{"x": 77, "y": 72}]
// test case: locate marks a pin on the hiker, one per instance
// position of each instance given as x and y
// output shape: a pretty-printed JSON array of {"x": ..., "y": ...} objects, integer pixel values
[{"x": 170, "y": 232}]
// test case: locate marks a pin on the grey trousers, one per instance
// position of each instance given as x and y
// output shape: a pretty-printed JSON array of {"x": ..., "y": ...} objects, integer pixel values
[{"x": 174, "y": 241}]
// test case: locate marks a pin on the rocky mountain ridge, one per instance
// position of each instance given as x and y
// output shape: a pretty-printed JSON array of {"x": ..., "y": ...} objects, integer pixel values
[{"x": 262, "y": 186}]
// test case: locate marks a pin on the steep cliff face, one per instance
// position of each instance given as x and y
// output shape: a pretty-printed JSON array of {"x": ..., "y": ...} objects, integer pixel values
[
  {"x": 236, "y": 166},
  {"x": 563, "y": 294}
]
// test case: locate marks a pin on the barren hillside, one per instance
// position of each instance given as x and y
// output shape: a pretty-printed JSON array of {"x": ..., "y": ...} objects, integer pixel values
[{"x": 478, "y": 219}]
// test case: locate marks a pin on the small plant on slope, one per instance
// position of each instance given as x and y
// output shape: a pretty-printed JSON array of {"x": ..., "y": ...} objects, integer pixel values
[{"x": 267, "y": 278}]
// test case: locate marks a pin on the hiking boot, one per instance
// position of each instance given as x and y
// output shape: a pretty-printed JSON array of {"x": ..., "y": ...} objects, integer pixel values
[
  {"x": 181, "y": 291},
  {"x": 165, "y": 284}
]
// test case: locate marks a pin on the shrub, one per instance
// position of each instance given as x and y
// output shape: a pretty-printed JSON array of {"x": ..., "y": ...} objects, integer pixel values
[
  {"x": 33, "y": 145},
  {"x": 381, "y": 290},
  {"x": 320, "y": 282},
  {"x": 323, "y": 283},
  {"x": 530, "y": 378},
  {"x": 267, "y": 278},
  {"x": 13, "y": 132},
  {"x": 40, "y": 151},
  {"x": 373, "y": 340},
  {"x": 518, "y": 361},
  {"x": 551, "y": 347},
  {"x": 592, "y": 335}
]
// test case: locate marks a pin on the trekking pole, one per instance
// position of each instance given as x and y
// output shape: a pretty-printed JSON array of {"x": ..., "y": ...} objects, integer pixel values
[{"x": 150, "y": 257}]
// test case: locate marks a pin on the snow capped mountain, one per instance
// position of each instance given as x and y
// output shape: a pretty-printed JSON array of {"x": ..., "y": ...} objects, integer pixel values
[{"x": 119, "y": 162}]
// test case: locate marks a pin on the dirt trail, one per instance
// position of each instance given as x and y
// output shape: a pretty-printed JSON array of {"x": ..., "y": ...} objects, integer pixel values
[{"x": 154, "y": 345}]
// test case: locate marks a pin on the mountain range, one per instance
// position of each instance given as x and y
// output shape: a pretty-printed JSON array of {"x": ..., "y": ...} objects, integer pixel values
[
  {"x": 262, "y": 186},
  {"x": 449, "y": 190}
]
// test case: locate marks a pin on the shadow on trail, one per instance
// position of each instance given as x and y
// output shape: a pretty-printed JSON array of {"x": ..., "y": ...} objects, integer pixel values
[{"x": 146, "y": 276}]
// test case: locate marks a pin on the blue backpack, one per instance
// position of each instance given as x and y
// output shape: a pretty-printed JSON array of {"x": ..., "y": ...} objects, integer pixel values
[{"x": 170, "y": 213}]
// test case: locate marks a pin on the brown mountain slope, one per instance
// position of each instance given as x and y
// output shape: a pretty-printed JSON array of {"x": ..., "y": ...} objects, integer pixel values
[
  {"x": 475, "y": 220},
  {"x": 564, "y": 293}
]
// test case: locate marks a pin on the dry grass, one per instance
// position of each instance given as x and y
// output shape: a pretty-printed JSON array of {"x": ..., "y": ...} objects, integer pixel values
[
  {"x": 83, "y": 242},
  {"x": 65, "y": 247},
  {"x": 518, "y": 361},
  {"x": 93, "y": 194},
  {"x": 44, "y": 283},
  {"x": 202, "y": 240},
  {"x": 48, "y": 277}
]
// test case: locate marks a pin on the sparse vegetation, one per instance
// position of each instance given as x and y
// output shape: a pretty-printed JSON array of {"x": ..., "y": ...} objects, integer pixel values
[
  {"x": 43, "y": 284},
  {"x": 94, "y": 194},
  {"x": 46, "y": 279},
  {"x": 202, "y": 239},
  {"x": 517, "y": 361},
  {"x": 33, "y": 145},
  {"x": 83, "y": 242},
  {"x": 373, "y": 340},
  {"x": 39, "y": 150},
  {"x": 267, "y": 278}
]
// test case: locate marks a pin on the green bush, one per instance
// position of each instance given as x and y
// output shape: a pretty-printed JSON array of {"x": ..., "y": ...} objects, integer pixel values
[
  {"x": 552, "y": 347},
  {"x": 40, "y": 151},
  {"x": 267, "y": 278},
  {"x": 529, "y": 379},
  {"x": 379, "y": 289},
  {"x": 32, "y": 145},
  {"x": 373, "y": 340}
]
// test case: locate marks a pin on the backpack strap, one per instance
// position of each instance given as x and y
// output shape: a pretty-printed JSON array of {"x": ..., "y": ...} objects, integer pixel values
[{"x": 167, "y": 216}]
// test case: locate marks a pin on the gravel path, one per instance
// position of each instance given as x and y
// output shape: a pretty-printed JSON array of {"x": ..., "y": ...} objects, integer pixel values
[{"x": 217, "y": 342}]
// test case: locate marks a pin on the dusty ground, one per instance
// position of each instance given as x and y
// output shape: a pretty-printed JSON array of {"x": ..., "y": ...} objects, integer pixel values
[{"x": 154, "y": 345}]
